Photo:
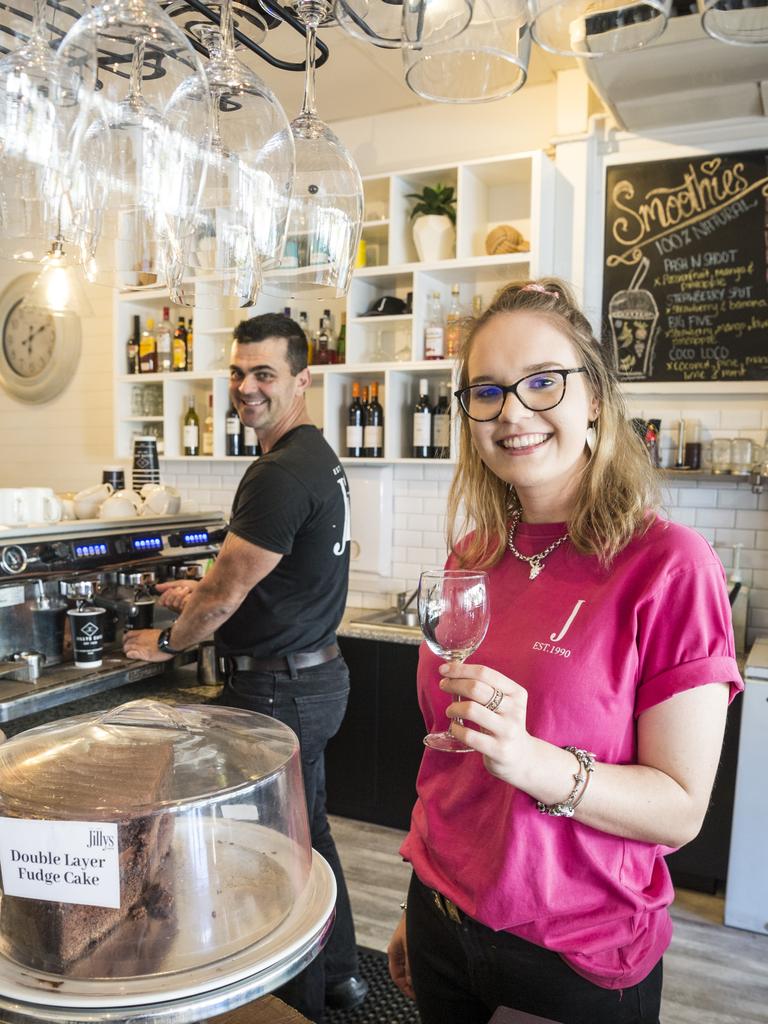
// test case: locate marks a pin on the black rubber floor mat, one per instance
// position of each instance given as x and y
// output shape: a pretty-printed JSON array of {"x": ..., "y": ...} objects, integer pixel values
[{"x": 385, "y": 1004}]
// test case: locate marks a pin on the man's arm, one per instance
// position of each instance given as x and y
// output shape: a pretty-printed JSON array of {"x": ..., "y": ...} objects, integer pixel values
[{"x": 239, "y": 567}]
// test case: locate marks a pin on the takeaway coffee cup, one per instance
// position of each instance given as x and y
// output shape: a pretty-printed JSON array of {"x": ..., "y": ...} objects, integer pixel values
[
  {"x": 114, "y": 476},
  {"x": 146, "y": 465},
  {"x": 87, "y": 628}
]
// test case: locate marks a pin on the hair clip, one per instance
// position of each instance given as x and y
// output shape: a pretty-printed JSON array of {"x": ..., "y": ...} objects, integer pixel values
[{"x": 539, "y": 288}]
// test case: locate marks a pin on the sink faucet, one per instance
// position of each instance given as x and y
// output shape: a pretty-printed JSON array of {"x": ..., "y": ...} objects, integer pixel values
[{"x": 404, "y": 599}]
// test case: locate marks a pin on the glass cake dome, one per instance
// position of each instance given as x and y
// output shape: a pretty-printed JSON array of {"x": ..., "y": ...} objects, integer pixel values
[{"x": 149, "y": 840}]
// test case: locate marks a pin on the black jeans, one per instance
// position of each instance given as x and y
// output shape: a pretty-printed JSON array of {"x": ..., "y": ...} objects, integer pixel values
[
  {"x": 462, "y": 971},
  {"x": 312, "y": 701}
]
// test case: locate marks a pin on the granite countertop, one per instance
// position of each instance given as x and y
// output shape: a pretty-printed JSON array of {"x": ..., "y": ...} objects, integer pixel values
[{"x": 350, "y": 627}]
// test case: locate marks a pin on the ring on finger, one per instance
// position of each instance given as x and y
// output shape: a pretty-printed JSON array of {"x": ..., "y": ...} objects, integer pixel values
[{"x": 494, "y": 703}]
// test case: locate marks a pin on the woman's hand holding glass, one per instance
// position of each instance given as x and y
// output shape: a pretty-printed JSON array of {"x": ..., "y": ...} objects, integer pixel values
[
  {"x": 454, "y": 616},
  {"x": 499, "y": 735}
]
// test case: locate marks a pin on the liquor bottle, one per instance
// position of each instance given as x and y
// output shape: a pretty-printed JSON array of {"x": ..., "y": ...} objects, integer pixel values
[
  {"x": 208, "y": 427},
  {"x": 148, "y": 349},
  {"x": 477, "y": 306},
  {"x": 190, "y": 346},
  {"x": 164, "y": 337},
  {"x": 191, "y": 429},
  {"x": 304, "y": 325},
  {"x": 434, "y": 329},
  {"x": 441, "y": 425},
  {"x": 250, "y": 441},
  {"x": 287, "y": 312},
  {"x": 179, "y": 356},
  {"x": 355, "y": 425},
  {"x": 453, "y": 324},
  {"x": 323, "y": 352},
  {"x": 422, "y": 423},
  {"x": 373, "y": 429},
  {"x": 341, "y": 341},
  {"x": 132, "y": 346},
  {"x": 232, "y": 426}
]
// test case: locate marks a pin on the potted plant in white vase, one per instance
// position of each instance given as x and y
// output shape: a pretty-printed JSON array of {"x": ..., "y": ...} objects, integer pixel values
[{"x": 434, "y": 217}]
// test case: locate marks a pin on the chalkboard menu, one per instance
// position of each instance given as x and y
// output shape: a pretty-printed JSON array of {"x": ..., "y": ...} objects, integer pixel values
[{"x": 685, "y": 278}]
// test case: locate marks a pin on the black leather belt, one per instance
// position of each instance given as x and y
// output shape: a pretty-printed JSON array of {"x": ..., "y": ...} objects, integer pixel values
[{"x": 304, "y": 659}]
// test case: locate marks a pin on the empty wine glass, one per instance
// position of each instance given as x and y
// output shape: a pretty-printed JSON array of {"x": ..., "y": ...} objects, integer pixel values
[
  {"x": 487, "y": 61},
  {"x": 454, "y": 615},
  {"x": 594, "y": 28},
  {"x": 43, "y": 112},
  {"x": 243, "y": 212},
  {"x": 326, "y": 213},
  {"x": 146, "y": 145},
  {"x": 403, "y": 23}
]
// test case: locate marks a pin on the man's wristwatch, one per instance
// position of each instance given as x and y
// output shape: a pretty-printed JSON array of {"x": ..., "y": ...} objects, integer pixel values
[{"x": 164, "y": 642}]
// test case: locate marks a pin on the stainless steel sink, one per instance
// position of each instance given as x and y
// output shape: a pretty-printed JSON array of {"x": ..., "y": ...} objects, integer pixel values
[{"x": 390, "y": 618}]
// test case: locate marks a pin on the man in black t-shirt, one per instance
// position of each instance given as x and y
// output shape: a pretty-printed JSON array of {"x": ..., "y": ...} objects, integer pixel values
[{"x": 275, "y": 596}]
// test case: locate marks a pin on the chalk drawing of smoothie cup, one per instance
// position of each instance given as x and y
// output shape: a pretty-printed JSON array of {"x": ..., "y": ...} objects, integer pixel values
[{"x": 633, "y": 315}]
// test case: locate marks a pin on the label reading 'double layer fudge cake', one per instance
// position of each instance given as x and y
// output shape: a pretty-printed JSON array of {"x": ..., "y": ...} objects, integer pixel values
[{"x": 60, "y": 861}]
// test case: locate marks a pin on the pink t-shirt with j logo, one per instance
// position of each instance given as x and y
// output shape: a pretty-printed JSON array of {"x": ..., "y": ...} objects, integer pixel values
[{"x": 594, "y": 649}]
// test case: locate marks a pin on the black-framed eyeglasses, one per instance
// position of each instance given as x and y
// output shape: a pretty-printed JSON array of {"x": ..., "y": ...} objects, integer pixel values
[{"x": 537, "y": 392}]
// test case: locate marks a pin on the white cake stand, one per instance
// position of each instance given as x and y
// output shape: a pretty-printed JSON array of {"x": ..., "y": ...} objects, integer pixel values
[{"x": 27, "y": 996}]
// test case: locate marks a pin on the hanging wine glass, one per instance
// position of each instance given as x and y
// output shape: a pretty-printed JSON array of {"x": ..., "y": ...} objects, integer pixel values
[
  {"x": 594, "y": 28},
  {"x": 403, "y": 23},
  {"x": 243, "y": 214},
  {"x": 145, "y": 148},
  {"x": 44, "y": 104},
  {"x": 326, "y": 212},
  {"x": 488, "y": 61},
  {"x": 454, "y": 615}
]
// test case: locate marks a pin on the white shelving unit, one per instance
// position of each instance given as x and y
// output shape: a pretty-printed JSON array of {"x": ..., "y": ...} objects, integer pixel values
[{"x": 514, "y": 190}]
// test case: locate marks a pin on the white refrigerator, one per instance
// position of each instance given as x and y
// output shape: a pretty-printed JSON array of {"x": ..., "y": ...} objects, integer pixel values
[{"x": 746, "y": 893}]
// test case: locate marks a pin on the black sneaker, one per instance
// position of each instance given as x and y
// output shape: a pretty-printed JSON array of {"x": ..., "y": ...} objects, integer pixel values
[{"x": 347, "y": 994}]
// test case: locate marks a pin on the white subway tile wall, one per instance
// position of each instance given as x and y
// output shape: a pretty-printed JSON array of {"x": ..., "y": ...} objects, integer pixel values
[{"x": 726, "y": 514}]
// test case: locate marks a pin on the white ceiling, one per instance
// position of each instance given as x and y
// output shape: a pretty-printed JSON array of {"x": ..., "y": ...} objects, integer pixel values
[{"x": 358, "y": 80}]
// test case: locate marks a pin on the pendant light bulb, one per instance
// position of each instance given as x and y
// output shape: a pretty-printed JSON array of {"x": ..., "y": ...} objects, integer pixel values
[{"x": 58, "y": 290}]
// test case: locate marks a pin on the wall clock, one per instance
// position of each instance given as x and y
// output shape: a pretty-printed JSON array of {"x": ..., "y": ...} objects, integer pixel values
[{"x": 39, "y": 352}]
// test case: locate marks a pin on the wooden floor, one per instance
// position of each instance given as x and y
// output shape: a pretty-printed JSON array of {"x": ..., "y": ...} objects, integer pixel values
[{"x": 712, "y": 974}]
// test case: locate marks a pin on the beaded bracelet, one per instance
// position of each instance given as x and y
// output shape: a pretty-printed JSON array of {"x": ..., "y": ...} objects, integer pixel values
[{"x": 581, "y": 781}]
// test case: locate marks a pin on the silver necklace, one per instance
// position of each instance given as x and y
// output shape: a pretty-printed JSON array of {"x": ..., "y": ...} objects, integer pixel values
[{"x": 535, "y": 562}]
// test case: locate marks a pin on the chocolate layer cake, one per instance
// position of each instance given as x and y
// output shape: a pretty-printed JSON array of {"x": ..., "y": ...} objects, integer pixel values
[{"x": 51, "y": 936}]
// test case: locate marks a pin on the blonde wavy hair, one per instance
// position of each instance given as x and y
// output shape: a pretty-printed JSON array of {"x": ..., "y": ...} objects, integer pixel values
[{"x": 619, "y": 487}]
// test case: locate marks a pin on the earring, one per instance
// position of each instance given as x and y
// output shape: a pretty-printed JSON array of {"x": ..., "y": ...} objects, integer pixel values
[{"x": 591, "y": 437}]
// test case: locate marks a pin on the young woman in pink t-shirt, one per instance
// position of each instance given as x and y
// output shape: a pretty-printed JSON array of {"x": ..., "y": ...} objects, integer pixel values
[{"x": 595, "y": 706}]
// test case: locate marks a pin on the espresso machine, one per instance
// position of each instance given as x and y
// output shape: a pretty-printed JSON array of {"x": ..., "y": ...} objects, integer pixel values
[{"x": 112, "y": 564}]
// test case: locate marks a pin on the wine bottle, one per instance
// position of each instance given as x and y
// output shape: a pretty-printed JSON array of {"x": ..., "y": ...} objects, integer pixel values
[
  {"x": 179, "y": 354},
  {"x": 373, "y": 429},
  {"x": 324, "y": 354},
  {"x": 232, "y": 427},
  {"x": 355, "y": 425},
  {"x": 191, "y": 429},
  {"x": 453, "y": 324},
  {"x": 148, "y": 349},
  {"x": 422, "y": 423},
  {"x": 441, "y": 425},
  {"x": 208, "y": 427},
  {"x": 190, "y": 346},
  {"x": 132, "y": 346},
  {"x": 434, "y": 329},
  {"x": 250, "y": 441},
  {"x": 164, "y": 338},
  {"x": 341, "y": 341}
]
